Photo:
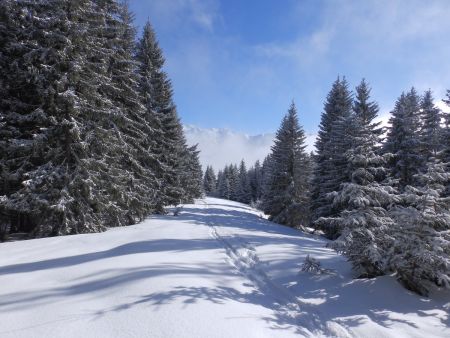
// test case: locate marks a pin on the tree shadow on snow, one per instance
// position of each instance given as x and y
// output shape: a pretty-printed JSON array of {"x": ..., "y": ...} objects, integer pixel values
[
  {"x": 173, "y": 245},
  {"x": 332, "y": 298},
  {"x": 283, "y": 317},
  {"x": 337, "y": 297},
  {"x": 102, "y": 281}
]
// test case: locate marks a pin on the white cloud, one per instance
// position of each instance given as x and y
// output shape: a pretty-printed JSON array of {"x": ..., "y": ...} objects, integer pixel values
[
  {"x": 219, "y": 147},
  {"x": 203, "y": 13},
  {"x": 362, "y": 33},
  {"x": 303, "y": 51}
]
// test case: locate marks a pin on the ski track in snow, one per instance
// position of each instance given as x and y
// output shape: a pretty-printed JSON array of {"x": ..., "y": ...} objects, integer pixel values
[
  {"x": 216, "y": 270},
  {"x": 243, "y": 257}
]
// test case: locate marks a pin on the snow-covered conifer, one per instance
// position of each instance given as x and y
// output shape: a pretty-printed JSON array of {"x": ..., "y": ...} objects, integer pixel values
[
  {"x": 255, "y": 181},
  {"x": 286, "y": 194},
  {"x": 233, "y": 179},
  {"x": 363, "y": 224},
  {"x": 444, "y": 155},
  {"x": 243, "y": 190},
  {"x": 80, "y": 160},
  {"x": 223, "y": 184},
  {"x": 331, "y": 145},
  {"x": 51, "y": 112},
  {"x": 421, "y": 252},
  {"x": 209, "y": 181},
  {"x": 169, "y": 145},
  {"x": 192, "y": 175},
  {"x": 430, "y": 131},
  {"x": 403, "y": 141}
]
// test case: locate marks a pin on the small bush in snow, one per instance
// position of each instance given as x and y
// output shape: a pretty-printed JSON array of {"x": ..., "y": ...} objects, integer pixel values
[
  {"x": 312, "y": 265},
  {"x": 177, "y": 210}
]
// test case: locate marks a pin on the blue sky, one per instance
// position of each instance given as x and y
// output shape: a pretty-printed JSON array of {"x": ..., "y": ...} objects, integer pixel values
[{"x": 237, "y": 64}]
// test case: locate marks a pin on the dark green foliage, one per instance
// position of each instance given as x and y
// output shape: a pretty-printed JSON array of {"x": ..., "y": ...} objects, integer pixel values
[
  {"x": 209, "y": 181},
  {"x": 76, "y": 134},
  {"x": 168, "y": 142},
  {"x": 192, "y": 175},
  {"x": 403, "y": 141},
  {"x": 330, "y": 167},
  {"x": 430, "y": 130},
  {"x": 364, "y": 223},
  {"x": 255, "y": 179},
  {"x": 223, "y": 184},
  {"x": 44, "y": 180},
  {"x": 444, "y": 155},
  {"x": 243, "y": 185},
  {"x": 421, "y": 252},
  {"x": 286, "y": 194}
]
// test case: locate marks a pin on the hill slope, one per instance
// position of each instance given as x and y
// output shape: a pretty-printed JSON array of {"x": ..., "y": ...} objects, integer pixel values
[{"x": 216, "y": 270}]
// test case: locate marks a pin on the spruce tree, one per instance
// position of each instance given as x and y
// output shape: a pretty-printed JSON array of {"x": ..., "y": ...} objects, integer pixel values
[
  {"x": 192, "y": 175},
  {"x": 169, "y": 145},
  {"x": 430, "y": 131},
  {"x": 331, "y": 145},
  {"x": 133, "y": 131},
  {"x": 403, "y": 141},
  {"x": 223, "y": 184},
  {"x": 209, "y": 181},
  {"x": 254, "y": 177},
  {"x": 220, "y": 177},
  {"x": 233, "y": 179},
  {"x": 420, "y": 254},
  {"x": 73, "y": 104},
  {"x": 266, "y": 170},
  {"x": 243, "y": 190},
  {"x": 365, "y": 111},
  {"x": 286, "y": 194},
  {"x": 364, "y": 223},
  {"x": 47, "y": 186},
  {"x": 444, "y": 155}
]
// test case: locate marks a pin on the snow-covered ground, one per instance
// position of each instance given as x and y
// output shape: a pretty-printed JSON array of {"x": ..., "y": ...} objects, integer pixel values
[{"x": 216, "y": 270}]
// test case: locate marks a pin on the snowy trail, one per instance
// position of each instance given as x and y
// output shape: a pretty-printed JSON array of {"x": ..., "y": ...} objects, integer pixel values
[
  {"x": 242, "y": 256},
  {"x": 216, "y": 270}
]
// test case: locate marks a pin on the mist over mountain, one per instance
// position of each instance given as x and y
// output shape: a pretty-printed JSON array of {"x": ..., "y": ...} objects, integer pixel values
[{"x": 221, "y": 146}]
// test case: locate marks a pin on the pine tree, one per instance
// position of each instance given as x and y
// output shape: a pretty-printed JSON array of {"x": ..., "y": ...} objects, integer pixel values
[
  {"x": 255, "y": 178},
  {"x": 430, "y": 131},
  {"x": 223, "y": 184},
  {"x": 402, "y": 139},
  {"x": 209, "y": 181},
  {"x": 133, "y": 131},
  {"x": 45, "y": 180},
  {"x": 332, "y": 144},
  {"x": 79, "y": 160},
  {"x": 286, "y": 194},
  {"x": 365, "y": 110},
  {"x": 243, "y": 189},
  {"x": 219, "y": 180},
  {"x": 266, "y": 171},
  {"x": 192, "y": 176},
  {"x": 233, "y": 179},
  {"x": 169, "y": 143},
  {"x": 444, "y": 155},
  {"x": 363, "y": 224},
  {"x": 421, "y": 251}
]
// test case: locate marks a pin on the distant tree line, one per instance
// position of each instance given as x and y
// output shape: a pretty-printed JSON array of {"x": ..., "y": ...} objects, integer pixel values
[
  {"x": 235, "y": 183},
  {"x": 89, "y": 134},
  {"x": 381, "y": 194}
]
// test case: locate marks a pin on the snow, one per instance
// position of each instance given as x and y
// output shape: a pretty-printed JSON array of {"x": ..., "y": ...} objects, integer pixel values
[{"x": 218, "y": 269}]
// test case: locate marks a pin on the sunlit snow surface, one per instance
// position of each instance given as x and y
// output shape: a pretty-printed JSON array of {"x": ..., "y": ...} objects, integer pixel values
[{"x": 219, "y": 269}]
